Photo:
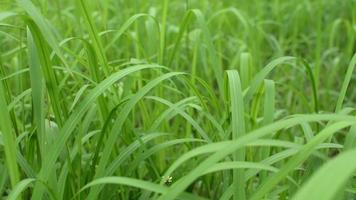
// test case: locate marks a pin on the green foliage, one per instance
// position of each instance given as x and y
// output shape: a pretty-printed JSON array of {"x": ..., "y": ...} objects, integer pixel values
[{"x": 249, "y": 99}]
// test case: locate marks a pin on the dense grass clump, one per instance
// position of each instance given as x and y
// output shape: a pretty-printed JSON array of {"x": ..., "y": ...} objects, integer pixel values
[{"x": 159, "y": 99}]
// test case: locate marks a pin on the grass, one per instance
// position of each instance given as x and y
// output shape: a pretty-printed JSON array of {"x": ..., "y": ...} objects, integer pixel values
[{"x": 177, "y": 99}]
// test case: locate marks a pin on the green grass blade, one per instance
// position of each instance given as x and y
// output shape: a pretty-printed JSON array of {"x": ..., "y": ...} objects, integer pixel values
[
  {"x": 135, "y": 183},
  {"x": 51, "y": 79},
  {"x": 238, "y": 130},
  {"x": 44, "y": 27},
  {"x": 37, "y": 92},
  {"x": 19, "y": 188},
  {"x": 258, "y": 79},
  {"x": 345, "y": 84},
  {"x": 8, "y": 134},
  {"x": 94, "y": 36},
  {"x": 74, "y": 119},
  {"x": 297, "y": 159},
  {"x": 180, "y": 185},
  {"x": 116, "y": 130},
  {"x": 327, "y": 182}
]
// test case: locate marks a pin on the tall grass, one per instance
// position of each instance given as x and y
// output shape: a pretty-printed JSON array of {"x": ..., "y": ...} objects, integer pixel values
[{"x": 177, "y": 99}]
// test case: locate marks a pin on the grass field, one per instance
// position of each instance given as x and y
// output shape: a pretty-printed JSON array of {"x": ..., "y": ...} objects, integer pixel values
[{"x": 177, "y": 99}]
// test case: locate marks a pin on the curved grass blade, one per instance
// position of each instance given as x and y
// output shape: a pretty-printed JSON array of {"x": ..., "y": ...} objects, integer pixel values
[
  {"x": 74, "y": 119},
  {"x": 329, "y": 179},
  {"x": 258, "y": 79},
  {"x": 298, "y": 159},
  {"x": 116, "y": 129},
  {"x": 238, "y": 130},
  {"x": 44, "y": 27},
  {"x": 94, "y": 36},
  {"x": 202, "y": 133},
  {"x": 180, "y": 185},
  {"x": 138, "y": 184},
  {"x": 19, "y": 188}
]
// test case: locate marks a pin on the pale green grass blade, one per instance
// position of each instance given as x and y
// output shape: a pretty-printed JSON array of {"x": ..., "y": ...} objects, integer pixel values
[
  {"x": 164, "y": 145},
  {"x": 125, "y": 153},
  {"x": 236, "y": 13},
  {"x": 180, "y": 185},
  {"x": 329, "y": 179},
  {"x": 298, "y": 159},
  {"x": 78, "y": 96},
  {"x": 268, "y": 115},
  {"x": 244, "y": 165},
  {"x": 166, "y": 114},
  {"x": 350, "y": 139},
  {"x": 258, "y": 79},
  {"x": 19, "y": 188},
  {"x": 8, "y": 136},
  {"x": 345, "y": 84},
  {"x": 18, "y": 99},
  {"x": 163, "y": 28},
  {"x": 238, "y": 129},
  {"x": 135, "y": 183},
  {"x": 4, "y": 15},
  {"x": 269, "y": 102},
  {"x": 127, "y": 25},
  {"x": 245, "y": 69},
  {"x": 203, "y": 134}
]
